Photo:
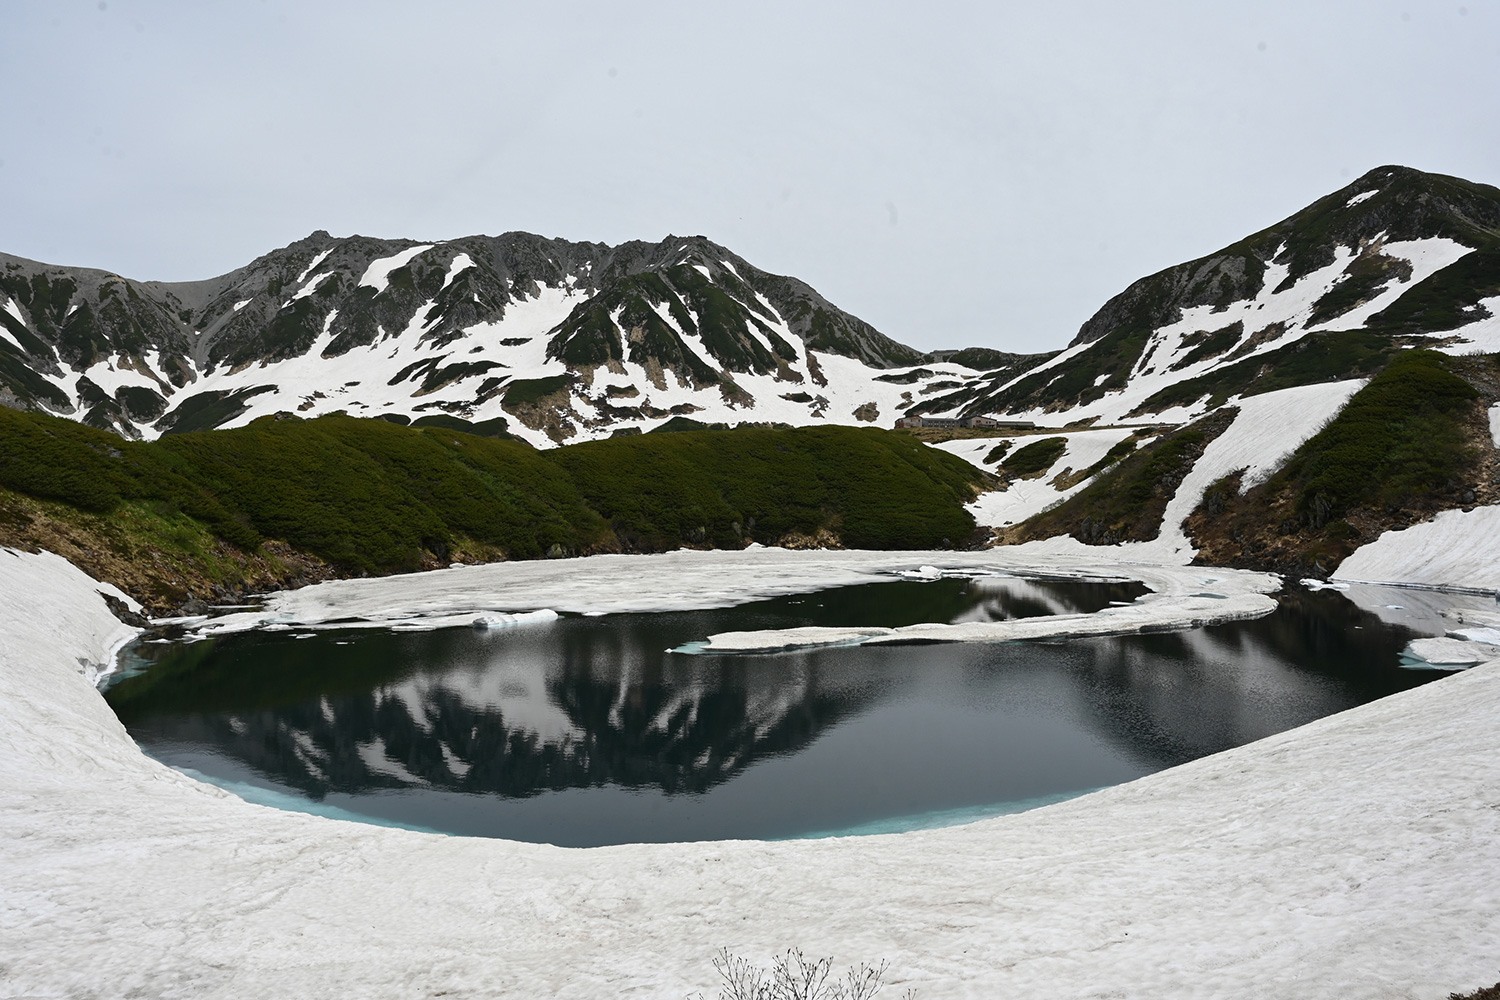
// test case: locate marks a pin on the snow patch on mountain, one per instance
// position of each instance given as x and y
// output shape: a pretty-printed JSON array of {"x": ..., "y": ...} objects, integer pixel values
[
  {"x": 460, "y": 263},
  {"x": 1267, "y": 429},
  {"x": 15, "y": 311},
  {"x": 377, "y": 274},
  {"x": 114, "y": 374},
  {"x": 1426, "y": 257},
  {"x": 320, "y": 258},
  {"x": 309, "y": 287},
  {"x": 1026, "y": 497},
  {"x": 1482, "y": 336}
]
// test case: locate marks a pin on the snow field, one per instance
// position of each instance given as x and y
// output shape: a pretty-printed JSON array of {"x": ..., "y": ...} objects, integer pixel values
[
  {"x": 1479, "y": 337},
  {"x": 1357, "y": 857},
  {"x": 1026, "y": 497},
  {"x": 1452, "y": 551},
  {"x": 1267, "y": 429}
]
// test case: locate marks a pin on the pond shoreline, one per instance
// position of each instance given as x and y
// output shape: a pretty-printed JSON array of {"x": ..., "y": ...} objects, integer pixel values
[{"x": 1284, "y": 868}]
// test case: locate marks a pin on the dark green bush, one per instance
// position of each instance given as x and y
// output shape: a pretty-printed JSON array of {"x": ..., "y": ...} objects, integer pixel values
[
  {"x": 372, "y": 496},
  {"x": 1400, "y": 437},
  {"x": 1035, "y": 458}
]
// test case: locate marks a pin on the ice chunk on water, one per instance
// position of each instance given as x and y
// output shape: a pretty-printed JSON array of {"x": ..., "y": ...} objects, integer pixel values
[
  {"x": 1445, "y": 654},
  {"x": 498, "y": 620}
]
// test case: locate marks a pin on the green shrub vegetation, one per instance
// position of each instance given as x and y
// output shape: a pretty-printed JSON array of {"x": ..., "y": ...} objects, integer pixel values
[
  {"x": 871, "y": 488},
  {"x": 1126, "y": 502},
  {"x": 531, "y": 390},
  {"x": 1397, "y": 438},
  {"x": 1035, "y": 458},
  {"x": 373, "y": 496},
  {"x": 998, "y": 452},
  {"x": 1210, "y": 345},
  {"x": 1409, "y": 444}
]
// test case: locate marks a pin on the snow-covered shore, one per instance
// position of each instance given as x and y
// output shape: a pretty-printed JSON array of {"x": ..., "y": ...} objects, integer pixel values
[
  {"x": 1449, "y": 552},
  {"x": 1355, "y": 857}
]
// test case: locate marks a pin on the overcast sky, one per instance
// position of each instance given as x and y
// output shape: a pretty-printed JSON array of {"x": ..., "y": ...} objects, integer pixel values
[{"x": 956, "y": 174}]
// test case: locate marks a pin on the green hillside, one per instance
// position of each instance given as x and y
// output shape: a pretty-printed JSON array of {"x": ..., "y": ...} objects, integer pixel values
[
  {"x": 283, "y": 501},
  {"x": 1412, "y": 442}
]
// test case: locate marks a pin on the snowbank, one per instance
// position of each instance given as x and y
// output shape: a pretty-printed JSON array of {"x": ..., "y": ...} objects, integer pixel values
[
  {"x": 1357, "y": 857},
  {"x": 1453, "y": 551}
]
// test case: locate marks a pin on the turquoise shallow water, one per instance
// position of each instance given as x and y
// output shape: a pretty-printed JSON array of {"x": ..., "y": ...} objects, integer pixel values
[{"x": 590, "y": 731}]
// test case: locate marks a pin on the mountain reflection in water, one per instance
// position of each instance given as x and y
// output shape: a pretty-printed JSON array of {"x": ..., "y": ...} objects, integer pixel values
[{"x": 588, "y": 731}]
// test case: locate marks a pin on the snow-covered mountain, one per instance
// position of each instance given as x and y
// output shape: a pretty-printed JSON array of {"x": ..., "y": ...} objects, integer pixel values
[
  {"x": 557, "y": 340},
  {"x": 1398, "y": 258},
  {"x": 1276, "y": 332}
]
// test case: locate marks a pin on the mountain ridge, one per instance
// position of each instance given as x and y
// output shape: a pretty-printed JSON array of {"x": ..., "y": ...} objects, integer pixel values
[
  {"x": 1394, "y": 259},
  {"x": 681, "y": 313}
]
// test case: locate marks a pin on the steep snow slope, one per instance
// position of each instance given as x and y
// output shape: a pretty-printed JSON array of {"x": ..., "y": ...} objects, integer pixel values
[
  {"x": 1453, "y": 551},
  {"x": 1025, "y": 497},
  {"x": 1266, "y": 429}
]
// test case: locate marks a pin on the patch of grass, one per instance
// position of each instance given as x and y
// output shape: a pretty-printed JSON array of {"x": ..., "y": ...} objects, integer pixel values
[
  {"x": 1035, "y": 458},
  {"x": 372, "y": 496},
  {"x": 497, "y": 427},
  {"x": 1126, "y": 503},
  {"x": 56, "y": 459},
  {"x": 531, "y": 390},
  {"x": 1210, "y": 345},
  {"x": 998, "y": 452},
  {"x": 1445, "y": 300},
  {"x": 1398, "y": 437},
  {"x": 870, "y": 488},
  {"x": 679, "y": 424}
]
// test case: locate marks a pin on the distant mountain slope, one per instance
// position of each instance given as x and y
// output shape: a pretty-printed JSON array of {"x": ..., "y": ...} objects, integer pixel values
[
  {"x": 1398, "y": 258},
  {"x": 1219, "y": 407},
  {"x": 549, "y": 339}
]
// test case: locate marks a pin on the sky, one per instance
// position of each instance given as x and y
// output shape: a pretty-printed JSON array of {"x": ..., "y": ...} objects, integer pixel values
[{"x": 956, "y": 174}]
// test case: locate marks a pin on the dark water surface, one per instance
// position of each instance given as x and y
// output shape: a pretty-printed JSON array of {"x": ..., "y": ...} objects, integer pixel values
[{"x": 587, "y": 731}]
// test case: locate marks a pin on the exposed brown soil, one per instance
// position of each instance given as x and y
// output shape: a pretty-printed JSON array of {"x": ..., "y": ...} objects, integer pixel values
[{"x": 105, "y": 548}]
